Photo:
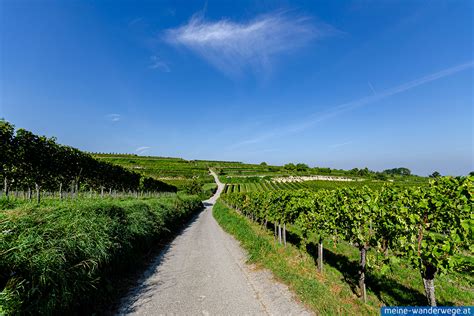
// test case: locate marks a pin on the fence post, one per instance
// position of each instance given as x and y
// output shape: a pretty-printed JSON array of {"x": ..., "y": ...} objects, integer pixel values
[
  {"x": 38, "y": 193},
  {"x": 5, "y": 187}
]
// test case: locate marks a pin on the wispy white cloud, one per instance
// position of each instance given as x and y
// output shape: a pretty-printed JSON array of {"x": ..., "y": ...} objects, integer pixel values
[
  {"x": 371, "y": 87},
  {"x": 348, "y": 106},
  {"x": 157, "y": 63},
  {"x": 340, "y": 144},
  {"x": 135, "y": 21},
  {"x": 113, "y": 117},
  {"x": 232, "y": 47},
  {"x": 142, "y": 150}
]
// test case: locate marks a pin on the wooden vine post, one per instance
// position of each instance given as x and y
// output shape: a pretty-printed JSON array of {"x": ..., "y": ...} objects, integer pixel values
[{"x": 363, "y": 262}]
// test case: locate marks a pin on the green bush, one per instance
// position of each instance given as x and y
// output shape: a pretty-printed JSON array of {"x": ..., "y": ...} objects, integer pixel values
[{"x": 193, "y": 187}]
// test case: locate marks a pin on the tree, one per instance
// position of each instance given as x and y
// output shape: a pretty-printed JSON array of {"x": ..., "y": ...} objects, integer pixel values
[
  {"x": 263, "y": 164},
  {"x": 289, "y": 167},
  {"x": 363, "y": 172},
  {"x": 302, "y": 167},
  {"x": 435, "y": 174},
  {"x": 7, "y": 153},
  {"x": 398, "y": 171},
  {"x": 322, "y": 170},
  {"x": 354, "y": 171},
  {"x": 380, "y": 176}
]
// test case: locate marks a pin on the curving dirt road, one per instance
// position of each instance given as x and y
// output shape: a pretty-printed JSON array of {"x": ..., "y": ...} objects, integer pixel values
[{"x": 203, "y": 272}]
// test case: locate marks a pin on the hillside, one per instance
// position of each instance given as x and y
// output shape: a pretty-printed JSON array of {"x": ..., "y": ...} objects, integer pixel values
[{"x": 180, "y": 172}]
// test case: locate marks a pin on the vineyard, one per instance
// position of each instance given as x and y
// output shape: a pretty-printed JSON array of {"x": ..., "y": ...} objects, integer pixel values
[
  {"x": 73, "y": 227},
  {"x": 177, "y": 172},
  {"x": 71, "y": 223},
  {"x": 244, "y": 177},
  {"x": 268, "y": 185},
  {"x": 431, "y": 228},
  {"x": 31, "y": 163},
  {"x": 305, "y": 158}
]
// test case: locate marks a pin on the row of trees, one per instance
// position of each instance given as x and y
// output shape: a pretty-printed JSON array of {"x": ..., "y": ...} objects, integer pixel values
[
  {"x": 364, "y": 172},
  {"x": 29, "y": 161},
  {"x": 428, "y": 226},
  {"x": 298, "y": 167}
]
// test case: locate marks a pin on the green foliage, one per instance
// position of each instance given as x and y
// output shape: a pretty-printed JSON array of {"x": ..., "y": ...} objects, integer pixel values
[
  {"x": 194, "y": 187},
  {"x": 56, "y": 256},
  {"x": 177, "y": 171},
  {"x": 208, "y": 190},
  {"x": 398, "y": 171},
  {"x": 29, "y": 161},
  {"x": 7, "y": 156},
  {"x": 358, "y": 210},
  {"x": 319, "y": 219},
  {"x": 323, "y": 171},
  {"x": 291, "y": 266},
  {"x": 360, "y": 172},
  {"x": 429, "y": 226},
  {"x": 439, "y": 224},
  {"x": 302, "y": 167},
  {"x": 333, "y": 293},
  {"x": 265, "y": 184},
  {"x": 380, "y": 176}
]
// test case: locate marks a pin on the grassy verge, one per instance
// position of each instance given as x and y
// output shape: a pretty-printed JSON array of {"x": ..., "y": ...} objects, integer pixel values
[
  {"x": 208, "y": 190},
  {"x": 291, "y": 266},
  {"x": 335, "y": 291},
  {"x": 65, "y": 256}
]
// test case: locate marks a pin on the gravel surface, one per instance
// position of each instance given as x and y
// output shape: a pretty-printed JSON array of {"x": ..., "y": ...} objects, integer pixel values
[{"x": 203, "y": 272}]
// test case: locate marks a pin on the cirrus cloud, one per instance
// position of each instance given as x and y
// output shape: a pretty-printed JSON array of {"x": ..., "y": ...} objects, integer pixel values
[
  {"x": 113, "y": 117},
  {"x": 142, "y": 150},
  {"x": 315, "y": 118},
  {"x": 233, "y": 47},
  {"x": 157, "y": 63}
]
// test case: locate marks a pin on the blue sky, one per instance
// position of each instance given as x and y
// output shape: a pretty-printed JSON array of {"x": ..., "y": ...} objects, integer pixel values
[{"x": 338, "y": 84}]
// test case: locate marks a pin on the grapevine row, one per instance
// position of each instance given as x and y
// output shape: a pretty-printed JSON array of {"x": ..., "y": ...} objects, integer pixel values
[
  {"x": 265, "y": 185},
  {"x": 429, "y": 226},
  {"x": 28, "y": 161}
]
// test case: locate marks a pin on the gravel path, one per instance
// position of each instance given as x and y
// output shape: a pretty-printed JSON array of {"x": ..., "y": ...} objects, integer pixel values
[{"x": 203, "y": 272}]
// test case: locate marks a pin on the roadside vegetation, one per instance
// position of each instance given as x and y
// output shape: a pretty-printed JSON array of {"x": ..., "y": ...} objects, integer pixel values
[
  {"x": 429, "y": 228},
  {"x": 292, "y": 266},
  {"x": 334, "y": 289},
  {"x": 66, "y": 256},
  {"x": 72, "y": 226}
]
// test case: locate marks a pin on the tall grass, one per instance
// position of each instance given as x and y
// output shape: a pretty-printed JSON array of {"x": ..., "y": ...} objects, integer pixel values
[{"x": 57, "y": 256}]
